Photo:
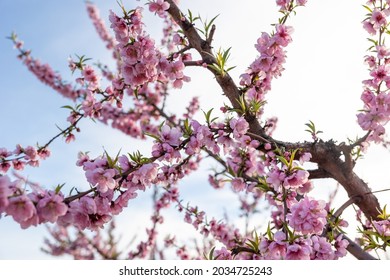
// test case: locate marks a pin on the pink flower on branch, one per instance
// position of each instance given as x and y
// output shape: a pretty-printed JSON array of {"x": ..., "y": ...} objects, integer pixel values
[
  {"x": 299, "y": 250},
  {"x": 240, "y": 127},
  {"x": 5, "y": 192},
  {"x": 100, "y": 26},
  {"x": 102, "y": 178},
  {"x": 308, "y": 216},
  {"x": 50, "y": 207},
  {"x": 378, "y": 19},
  {"x": 21, "y": 208},
  {"x": 159, "y": 7}
]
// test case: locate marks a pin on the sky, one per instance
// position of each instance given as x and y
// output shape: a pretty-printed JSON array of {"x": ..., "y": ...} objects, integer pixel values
[{"x": 322, "y": 83}]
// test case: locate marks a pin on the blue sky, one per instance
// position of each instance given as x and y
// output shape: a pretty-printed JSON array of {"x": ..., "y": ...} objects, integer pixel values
[{"x": 322, "y": 82}]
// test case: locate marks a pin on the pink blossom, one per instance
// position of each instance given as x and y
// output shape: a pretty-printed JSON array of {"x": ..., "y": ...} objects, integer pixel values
[
  {"x": 223, "y": 254},
  {"x": 88, "y": 105},
  {"x": 368, "y": 120},
  {"x": 301, "y": 2},
  {"x": 79, "y": 213},
  {"x": 296, "y": 179},
  {"x": 299, "y": 250},
  {"x": 378, "y": 19},
  {"x": 216, "y": 183},
  {"x": 240, "y": 126},
  {"x": 44, "y": 153},
  {"x": 305, "y": 188},
  {"x": 377, "y": 135},
  {"x": 308, "y": 216},
  {"x": 283, "y": 4},
  {"x": 122, "y": 201},
  {"x": 91, "y": 77},
  {"x": 4, "y": 153},
  {"x": 204, "y": 137},
  {"x": 171, "y": 135},
  {"x": 174, "y": 72},
  {"x": 381, "y": 73},
  {"x": 20, "y": 208},
  {"x": 102, "y": 178},
  {"x": 322, "y": 249},
  {"x": 382, "y": 227},
  {"x": 124, "y": 163},
  {"x": 278, "y": 247},
  {"x": 131, "y": 53},
  {"x": 263, "y": 43},
  {"x": 145, "y": 175},
  {"x": 120, "y": 28},
  {"x": 305, "y": 157},
  {"x": 341, "y": 246},
  {"x": 4, "y": 167},
  {"x": 283, "y": 35},
  {"x": 382, "y": 52},
  {"x": 5, "y": 192},
  {"x": 31, "y": 153},
  {"x": 51, "y": 206},
  {"x": 369, "y": 27},
  {"x": 238, "y": 184},
  {"x": 100, "y": 27},
  {"x": 275, "y": 178},
  {"x": 18, "y": 164},
  {"x": 159, "y": 7},
  {"x": 82, "y": 158},
  {"x": 70, "y": 138}
]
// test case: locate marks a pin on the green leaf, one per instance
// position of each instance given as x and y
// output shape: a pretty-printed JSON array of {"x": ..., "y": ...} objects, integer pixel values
[
  {"x": 136, "y": 93},
  {"x": 292, "y": 157},
  {"x": 215, "y": 67},
  {"x": 112, "y": 162},
  {"x": 13, "y": 37},
  {"x": 283, "y": 160},
  {"x": 191, "y": 18},
  {"x": 152, "y": 135},
  {"x": 211, "y": 254},
  {"x": 375, "y": 42},
  {"x": 367, "y": 8},
  {"x": 187, "y": 128},
  {"x": 207, "y": 26},
  {"x": 269, "y": 232},
  {"x": 69, "y": 107},
  {"x": 58, "y": 188},
  {"x": 208, "y": 115},
  {"x": 383, "y": 215}
]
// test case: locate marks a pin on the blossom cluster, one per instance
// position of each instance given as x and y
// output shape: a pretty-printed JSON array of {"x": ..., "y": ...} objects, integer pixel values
[
  {"x": 250, "y": 164},
  {"x": 142, "y": 62},
  {"x": 30, "y": 209},
  {"x": 309, "y": 248},
  {"x": 44, "y": 72},
  {"x": 21, "y": 156},
  {"x": 257, "y": 79},
  {"x": 81, "y": 245},
  {"x": 100, "y": 26},
  {"x": 376, "y": 111},
  {"x": 288, "y": 5}
]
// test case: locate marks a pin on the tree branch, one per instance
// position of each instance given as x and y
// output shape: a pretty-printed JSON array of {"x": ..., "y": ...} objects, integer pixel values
[
  {"x": 325, "y": 154},
  {"x": 318, "y": 174},
  {"x": 355, "y": 250},
  {"x": 203, "y": 47}
]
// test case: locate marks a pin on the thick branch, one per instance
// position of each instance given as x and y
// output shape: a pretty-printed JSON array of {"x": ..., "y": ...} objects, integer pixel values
[
  {"x": 357, "y": 251},
  {"x": 325, "y": 154},
  {"x": 318, "y": 174}
]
